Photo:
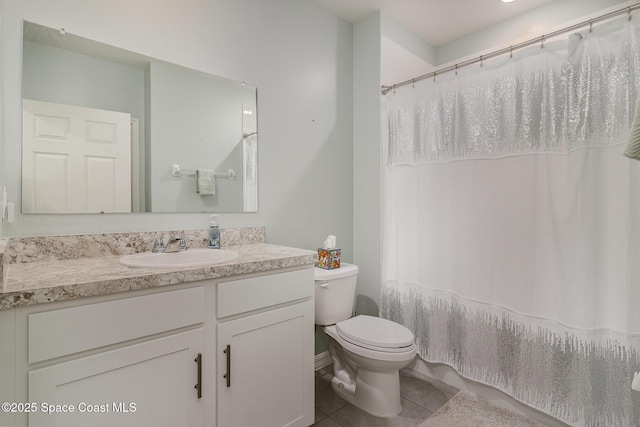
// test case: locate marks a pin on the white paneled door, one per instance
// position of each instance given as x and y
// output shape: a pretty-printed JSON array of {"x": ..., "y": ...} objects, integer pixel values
[{"x": 75, "y": 159}]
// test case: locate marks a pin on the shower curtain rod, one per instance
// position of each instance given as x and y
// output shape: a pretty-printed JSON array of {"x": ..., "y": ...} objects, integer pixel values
[{"x": 385, "y": 89}]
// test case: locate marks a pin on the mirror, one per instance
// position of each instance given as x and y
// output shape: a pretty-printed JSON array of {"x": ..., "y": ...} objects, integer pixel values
[{"x": 107, "y": 130}]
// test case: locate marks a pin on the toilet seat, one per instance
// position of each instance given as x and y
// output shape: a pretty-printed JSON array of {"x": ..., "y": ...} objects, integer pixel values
[
  {"x": 379, "y": 354},
  {"x": 375, "y": 333}
]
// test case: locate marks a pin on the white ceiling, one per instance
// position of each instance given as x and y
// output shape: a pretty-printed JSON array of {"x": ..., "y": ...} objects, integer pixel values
[{"x": 435, "y": 21}]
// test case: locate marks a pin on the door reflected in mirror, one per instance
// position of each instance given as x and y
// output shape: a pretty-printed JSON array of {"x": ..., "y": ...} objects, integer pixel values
[{"x": 106, "y": 130}]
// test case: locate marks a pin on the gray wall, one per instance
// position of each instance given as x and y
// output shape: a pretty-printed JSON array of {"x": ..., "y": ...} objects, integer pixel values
[
  {"x": 366, "y": 164},
  {"x": 58, "y": 75},
  {"x": 297, "y": 55},
  {"x": 366, "y": 167}
]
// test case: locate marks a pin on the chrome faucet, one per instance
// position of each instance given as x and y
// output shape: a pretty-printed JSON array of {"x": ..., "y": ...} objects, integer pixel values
[{"x": 174, "y": 244}]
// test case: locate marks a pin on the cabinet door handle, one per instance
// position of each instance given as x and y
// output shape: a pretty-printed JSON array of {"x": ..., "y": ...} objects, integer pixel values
[
  {"x": 198, "y": 387},
  {"x": 227, "y": 351}
]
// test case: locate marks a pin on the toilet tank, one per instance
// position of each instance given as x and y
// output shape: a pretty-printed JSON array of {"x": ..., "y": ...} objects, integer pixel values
[{"x": 335, "y": 292}]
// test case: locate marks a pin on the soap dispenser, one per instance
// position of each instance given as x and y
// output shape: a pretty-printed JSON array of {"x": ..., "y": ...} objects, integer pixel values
[{"x": 214, "y": 233}]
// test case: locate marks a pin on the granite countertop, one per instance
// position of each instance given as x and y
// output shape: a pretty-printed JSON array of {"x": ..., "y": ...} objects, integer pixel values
[{"x": 57, "y": 280}]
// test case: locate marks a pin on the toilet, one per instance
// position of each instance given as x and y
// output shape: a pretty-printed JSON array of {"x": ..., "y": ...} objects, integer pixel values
[{"x": 367, "y": 351}]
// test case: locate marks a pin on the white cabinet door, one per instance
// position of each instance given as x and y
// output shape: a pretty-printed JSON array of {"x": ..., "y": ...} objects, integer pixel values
[
  {"x": 147, "y": 384},
  {"x": 270, "y": 364}
]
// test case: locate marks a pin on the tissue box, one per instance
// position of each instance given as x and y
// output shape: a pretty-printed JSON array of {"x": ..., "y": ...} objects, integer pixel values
[{"x": 328, "y": 258}]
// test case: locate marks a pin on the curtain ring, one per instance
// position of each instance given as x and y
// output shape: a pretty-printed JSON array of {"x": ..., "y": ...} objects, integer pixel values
[
  {"x": 590, "y": 25},
  {"x": 413, "y": 83},
  {"x": 511, "y": 52},
  {"x": 542, "y": 42},
  {"x": 434, "y": 76},
  {"x": 481, "y": 59},
  {"x": 629, "y": 12},
  {"x": 456, "y": 69}
]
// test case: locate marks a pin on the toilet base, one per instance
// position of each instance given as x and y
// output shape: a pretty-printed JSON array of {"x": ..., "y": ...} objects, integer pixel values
[
  {"x": 371, "y": 385},
  {"x": 377, "y": 393},
  {"x": 367, "y": 378}
]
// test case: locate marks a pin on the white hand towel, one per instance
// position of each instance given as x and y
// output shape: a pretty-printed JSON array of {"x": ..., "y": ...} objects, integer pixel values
[
  {"x": 633, "y": 146},
  {"x": 205, "y": 182}
]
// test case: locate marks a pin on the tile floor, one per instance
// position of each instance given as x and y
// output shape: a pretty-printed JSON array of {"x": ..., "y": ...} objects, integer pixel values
[{"x": 421, "y": 396}]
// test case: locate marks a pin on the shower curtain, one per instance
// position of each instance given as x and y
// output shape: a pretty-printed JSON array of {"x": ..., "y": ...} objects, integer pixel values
[{"x": 511, "y": 223}]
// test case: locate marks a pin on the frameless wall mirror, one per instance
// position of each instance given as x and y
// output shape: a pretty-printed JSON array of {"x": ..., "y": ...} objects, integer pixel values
[{"x": 107, "y": 130}]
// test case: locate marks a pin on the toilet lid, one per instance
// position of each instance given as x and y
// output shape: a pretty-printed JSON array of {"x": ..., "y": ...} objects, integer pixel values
[
  {"x": 368, "y": 331},
  {"x": 345, "y": 270}
]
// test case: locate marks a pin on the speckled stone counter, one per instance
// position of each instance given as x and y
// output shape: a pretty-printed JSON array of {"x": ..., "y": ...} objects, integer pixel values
[{"x": 35, "y": 274}]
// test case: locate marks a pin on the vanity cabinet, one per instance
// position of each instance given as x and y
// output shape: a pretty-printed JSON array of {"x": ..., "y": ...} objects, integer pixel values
[
  {"x": 235, "y": 351},
  {"x": 265, "y": 351},
  {"x": 125, "y": 362}
]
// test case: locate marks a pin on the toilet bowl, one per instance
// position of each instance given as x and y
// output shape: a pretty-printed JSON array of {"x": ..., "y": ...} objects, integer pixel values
[{"x": 367, "y": 352}]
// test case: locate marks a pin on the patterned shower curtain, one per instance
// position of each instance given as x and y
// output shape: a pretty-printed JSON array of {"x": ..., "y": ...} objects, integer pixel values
[{"x": 511, "y": 223}]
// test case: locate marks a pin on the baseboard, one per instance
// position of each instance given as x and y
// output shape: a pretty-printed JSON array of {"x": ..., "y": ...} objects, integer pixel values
[{"x": 323, "y": 359}]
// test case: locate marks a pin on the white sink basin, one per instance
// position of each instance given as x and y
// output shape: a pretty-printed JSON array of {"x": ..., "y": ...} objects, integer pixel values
[{"x": 188, "y": 258}]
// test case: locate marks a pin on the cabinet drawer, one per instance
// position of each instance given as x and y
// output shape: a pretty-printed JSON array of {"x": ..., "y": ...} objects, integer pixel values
[
  {"x": 241, "y": 296},
  {"x": 70, "y": 330}
]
